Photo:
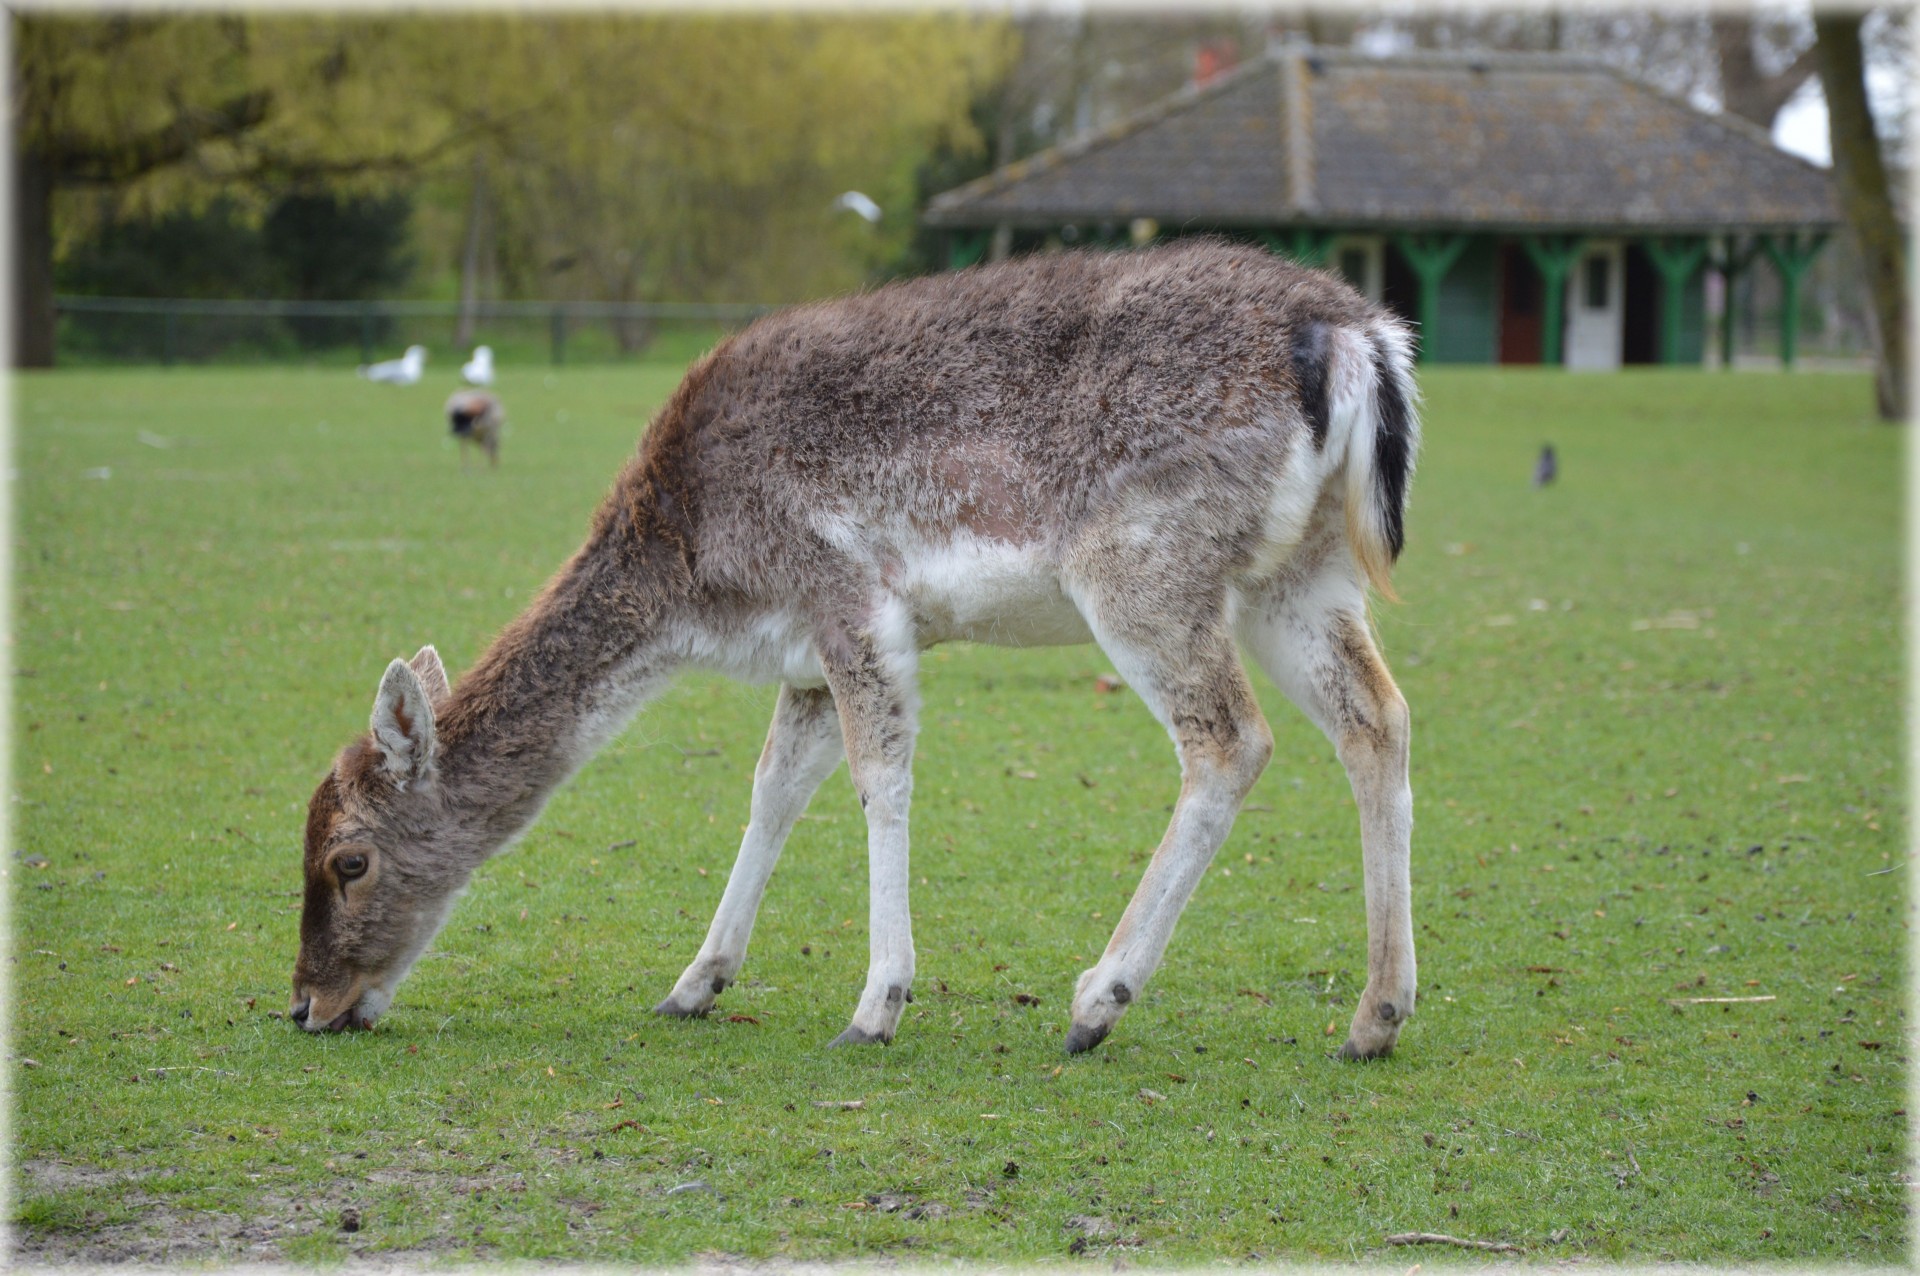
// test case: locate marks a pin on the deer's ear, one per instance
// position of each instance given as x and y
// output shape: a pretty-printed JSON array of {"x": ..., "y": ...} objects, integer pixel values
[
  {"x": 433, "y": 674},
  {"x": 403, "y": 724}
]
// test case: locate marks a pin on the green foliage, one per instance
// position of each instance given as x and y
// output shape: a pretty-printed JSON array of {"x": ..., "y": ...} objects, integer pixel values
[
  {"x": 326, "y": 245},
  {"x": 103, "y": 93},
  {"x": 698, "y": 158},
  {"x": 332, "y": 247},
  {"x": 624, "y": 157},
  {"x": 210, "y": 252},
  {"x": 1657, "y": 718},
  {"x": 122, "y": 102},
  {"x": 954, "y": 163},
  {"x": 310, "y": 245}
]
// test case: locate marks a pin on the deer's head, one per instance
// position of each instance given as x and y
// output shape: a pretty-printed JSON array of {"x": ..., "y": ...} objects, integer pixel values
[{"x": 381, "y": 872}]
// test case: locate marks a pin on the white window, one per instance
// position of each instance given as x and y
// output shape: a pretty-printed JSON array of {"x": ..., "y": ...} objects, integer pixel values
[
  {"x": 1361, "y": 260},
  {"x": 1596, "y": 274}
]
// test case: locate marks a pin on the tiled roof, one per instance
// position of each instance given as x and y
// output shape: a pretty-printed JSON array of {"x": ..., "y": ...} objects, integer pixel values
[{"x": 1513, "y": 141}]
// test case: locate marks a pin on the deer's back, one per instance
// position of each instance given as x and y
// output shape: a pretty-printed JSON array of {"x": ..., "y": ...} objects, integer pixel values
[{"x": 1004, "y": 405}]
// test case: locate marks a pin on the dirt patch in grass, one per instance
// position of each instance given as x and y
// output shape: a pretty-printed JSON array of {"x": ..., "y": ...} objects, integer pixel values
[{"x": 161, "y": 1233}]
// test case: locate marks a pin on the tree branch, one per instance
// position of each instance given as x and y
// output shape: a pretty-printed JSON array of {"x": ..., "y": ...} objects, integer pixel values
[{"x": 84, "y": 161}]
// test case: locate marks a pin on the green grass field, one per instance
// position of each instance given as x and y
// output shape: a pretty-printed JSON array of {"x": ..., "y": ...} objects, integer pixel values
[{"x": 1657, "y": 756}]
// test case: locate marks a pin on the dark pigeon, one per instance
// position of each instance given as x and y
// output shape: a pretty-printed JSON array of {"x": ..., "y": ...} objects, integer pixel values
[{"x": 1546, "y": 468}]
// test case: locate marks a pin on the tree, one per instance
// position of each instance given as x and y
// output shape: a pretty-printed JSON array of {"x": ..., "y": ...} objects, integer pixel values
[
  {"x": 595, "y": 156},
  {"x": 1861, "y": 175},
  {"x": 1760, "y": 67},
  {"x": 183, "y": 109},
  {"x": 699, "y": 157},
  {"x": 102, "y": 103}
]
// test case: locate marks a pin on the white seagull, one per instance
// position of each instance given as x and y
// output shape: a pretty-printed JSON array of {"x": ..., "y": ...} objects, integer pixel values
[
  {"x": 856, "y": 202},
  {"x": 479, "y": 369},
  {"x": 405, "y": 370}
]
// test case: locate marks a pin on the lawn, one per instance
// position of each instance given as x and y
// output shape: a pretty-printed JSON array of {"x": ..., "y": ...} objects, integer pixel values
[{"x": 1657, "y": 757}]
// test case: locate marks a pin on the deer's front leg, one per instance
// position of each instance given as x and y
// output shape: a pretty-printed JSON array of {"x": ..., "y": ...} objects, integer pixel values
[
  {"x": 803, "y": 748},
  {"x": 872, "y": 678}
]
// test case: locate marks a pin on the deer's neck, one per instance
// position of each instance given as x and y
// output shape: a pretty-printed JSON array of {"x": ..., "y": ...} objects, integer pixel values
[{"x": 561, "y": 679}]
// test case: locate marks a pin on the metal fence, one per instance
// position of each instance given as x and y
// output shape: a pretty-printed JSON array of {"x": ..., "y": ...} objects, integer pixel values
[{"x": 169, "y": 330}]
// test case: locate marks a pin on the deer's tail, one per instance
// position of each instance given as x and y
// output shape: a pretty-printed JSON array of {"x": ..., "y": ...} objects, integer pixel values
[{"x": 1373, "y": 398}]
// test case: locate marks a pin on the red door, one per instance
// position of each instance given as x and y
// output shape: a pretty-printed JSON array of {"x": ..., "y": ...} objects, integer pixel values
[{"x": 1521, "y": 306}]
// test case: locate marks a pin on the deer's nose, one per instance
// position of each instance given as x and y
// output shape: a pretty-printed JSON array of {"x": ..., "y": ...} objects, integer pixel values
[{"x": 299, "y": 1014}]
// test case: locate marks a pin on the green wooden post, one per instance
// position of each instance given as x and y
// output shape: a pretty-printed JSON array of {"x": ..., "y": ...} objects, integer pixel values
[
  {"x": 964, "y": 250},
  {"x": 1732, "y": 263},
  {"x": 557, "y": 326},
  {"x": 1554, "y": 257},
  {"x": 1306, "y": 246},
  {"x": 169, "y": 337},
  {"x": 366, "y": 334},
  {"x": 1676, "y": 259},
  {"x": 1791, "y": 257},
  {"x": 1431, "y": 257}
]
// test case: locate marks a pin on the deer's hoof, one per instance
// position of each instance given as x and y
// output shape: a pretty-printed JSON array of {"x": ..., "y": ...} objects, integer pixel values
[
  {"x": 1084, "y": 1037},
  {"x": 858, "y": 1036},
  {"x": 671, "y": 1009}
]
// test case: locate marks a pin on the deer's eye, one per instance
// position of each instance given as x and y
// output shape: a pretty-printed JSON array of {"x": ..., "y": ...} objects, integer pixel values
[{"x": 350, "y": 866}]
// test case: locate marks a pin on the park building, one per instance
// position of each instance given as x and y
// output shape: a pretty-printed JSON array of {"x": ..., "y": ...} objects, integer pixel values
[{"x": 1522, "y": 208}]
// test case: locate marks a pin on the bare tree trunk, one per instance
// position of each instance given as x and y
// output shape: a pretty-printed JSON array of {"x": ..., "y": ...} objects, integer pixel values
[
  {"x": 1746, "y": 90},
  {"x": 1861, "y": 175},
  {"x": 1012, "y": 102},
  {"x": 470, "y": 255},
  {"x": 33, "y": 316}
]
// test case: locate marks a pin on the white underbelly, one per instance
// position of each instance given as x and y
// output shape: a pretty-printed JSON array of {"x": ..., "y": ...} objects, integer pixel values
[
  {"x": 973, "y": 589},
  {"x": 987, "y": 591},
  {"x": 776, "y": 648}
]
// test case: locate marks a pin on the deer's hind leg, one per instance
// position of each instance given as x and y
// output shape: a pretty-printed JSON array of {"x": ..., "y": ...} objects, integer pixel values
[
  {"x": 1311, "y": 637},
  {"x": 803, "y": 747},
  {"x": 1185, "y": 668}
]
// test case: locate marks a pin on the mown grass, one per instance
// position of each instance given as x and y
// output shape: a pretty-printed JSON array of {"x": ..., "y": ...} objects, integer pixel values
[{"x": 1657, "y": 714}]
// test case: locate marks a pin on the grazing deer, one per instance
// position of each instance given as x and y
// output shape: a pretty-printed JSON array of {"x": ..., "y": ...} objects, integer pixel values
[
  {"x": 1163, "y": 451},
  {"x": 477, "y": 417}
]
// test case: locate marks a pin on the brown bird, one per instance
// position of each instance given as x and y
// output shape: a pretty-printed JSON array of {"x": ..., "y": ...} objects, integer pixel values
[{"x": 477, "y": 417}]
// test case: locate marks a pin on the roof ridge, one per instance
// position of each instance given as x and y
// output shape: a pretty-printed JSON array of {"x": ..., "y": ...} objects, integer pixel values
[
  {"x": 1183, "y": 98},
  {"x": 1505, "y": 59},
  {"x": 1299, "y": 159}
]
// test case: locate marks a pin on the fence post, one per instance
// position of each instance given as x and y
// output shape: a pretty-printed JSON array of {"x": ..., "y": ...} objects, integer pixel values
[
  {"x": 366, "y": 333},
  {"x": 169, "y": 336},
  {"x": 559, "y": 336}
]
